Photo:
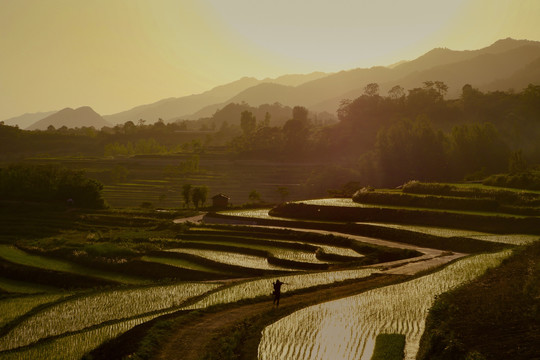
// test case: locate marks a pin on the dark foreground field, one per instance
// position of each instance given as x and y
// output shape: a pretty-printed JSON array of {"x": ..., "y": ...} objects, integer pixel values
[
  {"x": 86, "y": 276},
  {"x": 496, "y": 316}
]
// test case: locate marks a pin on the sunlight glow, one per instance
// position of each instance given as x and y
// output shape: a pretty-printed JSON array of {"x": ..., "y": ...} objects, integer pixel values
[{"x": 116, "y": 55}]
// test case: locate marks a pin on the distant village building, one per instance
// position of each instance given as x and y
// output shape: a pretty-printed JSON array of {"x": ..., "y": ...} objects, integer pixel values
[{"x": 220, "y": 201}]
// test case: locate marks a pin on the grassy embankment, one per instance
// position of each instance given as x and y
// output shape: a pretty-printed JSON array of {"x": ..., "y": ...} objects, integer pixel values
[{"x": 496, "y": 316}]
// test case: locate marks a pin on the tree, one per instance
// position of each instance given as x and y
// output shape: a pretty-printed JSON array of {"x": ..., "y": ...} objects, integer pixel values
[
  {"x": 371, "y": 89},
  {"x": 478, "y": 146},
  {"x": 248, "y": 122},
  {"x": 300, "y": 114},
  {"x": 396, "y": 92},
  {"x": 129, "y": 127},
  {"x": 410, "y": 150},
  {"x": 198, "y": 195},
  {"x": 516, "y": 163},
  {"x": 254, "y": 196},
  {"x": 266, "y": 121},
  {"x": 296, "y": 131},
  {"x": 186, "y": 194},
  {"x": 283, "y": 192}
]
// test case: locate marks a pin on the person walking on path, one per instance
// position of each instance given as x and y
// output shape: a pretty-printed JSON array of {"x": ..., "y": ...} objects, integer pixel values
[{"x": 277, "y": 291}]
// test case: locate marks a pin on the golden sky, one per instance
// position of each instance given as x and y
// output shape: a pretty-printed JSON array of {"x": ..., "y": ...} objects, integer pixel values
[{"x": 115, "y": 54}]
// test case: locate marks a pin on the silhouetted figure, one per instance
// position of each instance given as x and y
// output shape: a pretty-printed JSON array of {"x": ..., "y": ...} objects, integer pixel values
[{"x": 277, "y": 291}]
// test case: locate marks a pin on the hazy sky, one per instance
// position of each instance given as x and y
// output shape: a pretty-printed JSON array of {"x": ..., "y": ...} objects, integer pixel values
[{"x": 116, "y": 54}]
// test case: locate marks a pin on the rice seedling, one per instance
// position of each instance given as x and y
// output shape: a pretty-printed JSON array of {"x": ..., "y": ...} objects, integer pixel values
[
  {"x": 511, "y": 239},
  {"x": 262, "y": 287},
  {"x": 230, "y": 258},
  {"x": 181, "y": 263},
  {"x": 334, "y": 250},
  {"x": 12, "y": 308},
  {"x": 262, "y": 241},
  {"x": 74, "y": 346},
  {"x": 346, "y": 328},
  {"x": 86, "y": 311},
  {"x": 342, "y": 202},
  {"x": 276, "y": 251}
]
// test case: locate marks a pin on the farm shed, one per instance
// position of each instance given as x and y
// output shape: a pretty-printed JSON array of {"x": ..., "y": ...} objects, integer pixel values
[{"x": 220, "y": 201}]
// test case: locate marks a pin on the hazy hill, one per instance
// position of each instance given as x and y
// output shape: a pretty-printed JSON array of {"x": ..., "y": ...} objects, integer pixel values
[
  {"x": 296, "y": 79},
  {"x": 83, "y": 116},
  {"x": 491, "y": 68},
  {"x": 456, "y": 68},
  {"x": 505, "y": 64},
  {"x": 25, "y": 120},
  {"x": 444, "y": 56},
  {"x": 529, "y": 74},
  {"x": 174, "y": 108},
  {"x": 477, "y": 71}
]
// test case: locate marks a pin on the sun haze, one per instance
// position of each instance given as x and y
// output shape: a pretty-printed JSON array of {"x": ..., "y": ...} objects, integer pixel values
[{"x": 113, "y": 55}]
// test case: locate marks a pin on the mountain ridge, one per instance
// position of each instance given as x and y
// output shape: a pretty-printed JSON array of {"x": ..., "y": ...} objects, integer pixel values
[
  {"x": 84, "y": 116},
  {"x": 488, "y": 67}
]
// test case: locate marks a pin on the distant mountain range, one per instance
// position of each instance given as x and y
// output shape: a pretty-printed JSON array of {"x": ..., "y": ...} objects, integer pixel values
[
  {"x": 25, "y": 120},
  {"x": 68, "y": 117},
  {"x": 503, "y": 65}
]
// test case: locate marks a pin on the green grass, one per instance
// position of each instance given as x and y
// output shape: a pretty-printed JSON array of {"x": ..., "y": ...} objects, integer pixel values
[
  {"x": 22, "y": 287},
  {"x": 389, "y": 347},
  {"x": 493, "y": 317},
  {"x": 20, "y": 257}
]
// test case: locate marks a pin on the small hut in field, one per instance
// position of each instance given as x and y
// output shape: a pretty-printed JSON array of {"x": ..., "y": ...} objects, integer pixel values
[{"x": 220, "y": 201}]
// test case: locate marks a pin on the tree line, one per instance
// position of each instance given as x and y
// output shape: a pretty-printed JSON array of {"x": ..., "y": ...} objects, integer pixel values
[
  {"x": 50, "y": 184},
  {"x": 388, "y": 140}
]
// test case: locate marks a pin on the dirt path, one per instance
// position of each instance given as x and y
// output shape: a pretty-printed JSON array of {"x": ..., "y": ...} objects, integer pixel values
[{"x": 191, "y": 340}]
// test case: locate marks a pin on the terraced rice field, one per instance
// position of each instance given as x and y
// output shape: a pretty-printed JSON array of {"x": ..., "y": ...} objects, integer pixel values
[
  {"x": 279, "y": 248},
  {"x": 346, "y": 328},
  {"x": 263, "y": 287},
  {"x": 76, "y": 345},
  {"x": 53, "y": 324},
  {"x": 347, "y": 202},
  {"x": 12, "y": 308},
  {"x": 91, "y": 310},
  {"x": 511, "y": 239},
  {"x": 17, "y": 256},
  {"x": 288, "y": 253},
  {"x": 76, "y": 332},
  {"x": 184, "y": 264},
  {"x": 229, "y": 258}
]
